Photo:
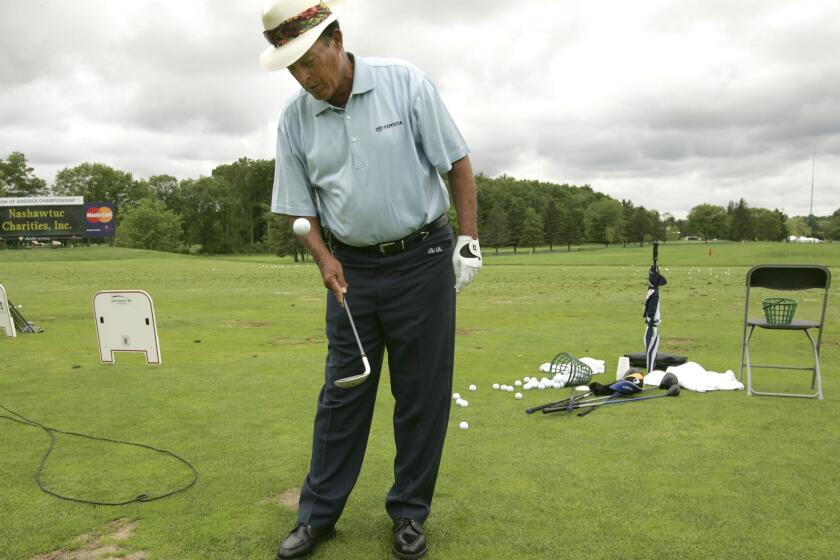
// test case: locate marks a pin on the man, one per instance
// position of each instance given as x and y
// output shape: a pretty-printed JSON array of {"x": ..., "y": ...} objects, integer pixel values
[{"x": 359, "y": 152}]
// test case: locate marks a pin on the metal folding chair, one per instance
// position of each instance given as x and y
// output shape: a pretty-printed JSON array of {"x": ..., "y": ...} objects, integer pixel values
[{"x": 785, "y": 278}]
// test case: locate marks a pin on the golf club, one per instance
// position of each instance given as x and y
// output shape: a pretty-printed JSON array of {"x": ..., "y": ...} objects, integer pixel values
[
  {"x": 596, "y": 388},
  {"x": 673, "y": 391},
  {"x": 622, "y": 387},
  {"x": 619, "y": 388},
  {"x": 353, "y": 380}
]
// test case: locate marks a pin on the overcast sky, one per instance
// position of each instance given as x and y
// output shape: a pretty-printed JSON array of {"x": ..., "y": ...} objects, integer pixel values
[{"x": 667, "y": 103}]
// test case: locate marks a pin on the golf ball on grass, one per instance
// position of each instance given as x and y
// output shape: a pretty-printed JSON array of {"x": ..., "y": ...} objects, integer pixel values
[
  {"x": 301, "y": 226},
  {"x": 456, "y": 396},
  {"x": 463, "y": 425},
  {"x": 496, "y": 386},
  {"x": 473, "y": 387},
  {"x": 518, "y": 396}
]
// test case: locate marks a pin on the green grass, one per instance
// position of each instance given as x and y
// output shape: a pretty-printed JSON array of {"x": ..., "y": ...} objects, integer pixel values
[{"x": 716, "y": 475}]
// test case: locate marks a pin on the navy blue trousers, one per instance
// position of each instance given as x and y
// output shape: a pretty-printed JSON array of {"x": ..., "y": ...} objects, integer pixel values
[{"x": 403, "y": 304}]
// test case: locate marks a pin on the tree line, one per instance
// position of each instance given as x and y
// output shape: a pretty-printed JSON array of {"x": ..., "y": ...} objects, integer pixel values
[{"x": 228, "y": 212}]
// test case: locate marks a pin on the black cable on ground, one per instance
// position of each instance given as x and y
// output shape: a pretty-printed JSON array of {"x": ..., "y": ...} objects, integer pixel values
[{"x": 20, "y": 419}]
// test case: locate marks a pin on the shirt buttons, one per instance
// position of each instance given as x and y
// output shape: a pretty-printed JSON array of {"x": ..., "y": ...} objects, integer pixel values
[{"x": 354, "y": 139}]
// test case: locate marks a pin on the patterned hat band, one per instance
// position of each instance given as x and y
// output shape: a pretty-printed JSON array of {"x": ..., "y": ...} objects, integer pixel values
[{"x": 296, "y": 26}]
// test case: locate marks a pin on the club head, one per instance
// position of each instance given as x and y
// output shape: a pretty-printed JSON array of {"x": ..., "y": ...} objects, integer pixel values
[
  {"x": 625, "y": 387},
  {"x": 600, "y": 389},
  {"x": 668, "y": 381},
  {"x": 353, "y": 380},
  {"x": 673, "y": 391}
]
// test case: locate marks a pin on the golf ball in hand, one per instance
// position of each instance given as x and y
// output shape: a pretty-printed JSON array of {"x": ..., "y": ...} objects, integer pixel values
[
  {"x": 463, "y": 425},
  {"x": 301, "y": 226}
]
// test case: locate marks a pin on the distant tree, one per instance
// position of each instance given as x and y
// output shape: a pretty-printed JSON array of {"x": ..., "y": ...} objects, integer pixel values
[
  {"x": 641, "y": 225},
  {"x": 17, "y": 179},
  {"x": 211, "y": 215},
  {"x": 280, "y": 239},
  {"x": 553, "y": 216},
  {"x": 708, "y": 221},
  {"x": 516, "y": 217},
  {"x": 571, "y": 228},
  {"x": 495, "y": 233},
  {"x": 98, "y": 182},
  {"x": 166, "y": 189},
  {"x": 798, "y": 226},
  {"x": 740, "y": 221},
  {"x": 150, "y": 225},
  {"x": 532, "y": 230},
  {"x": 670, "y": 228},
  {"x": 604, "y": 221},
  {"x": 251, "y": 182},
  {"x": 628, "y": 232},
  {"x": 832, "y": 230},
  {"x": 657, "y": 227},
  {"x": 768, "y": 225}
]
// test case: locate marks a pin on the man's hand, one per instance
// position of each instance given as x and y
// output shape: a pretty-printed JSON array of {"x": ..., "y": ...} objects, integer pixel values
[
  {"x": 466, "y": 260},
  {"x": 332, "y": 274}
]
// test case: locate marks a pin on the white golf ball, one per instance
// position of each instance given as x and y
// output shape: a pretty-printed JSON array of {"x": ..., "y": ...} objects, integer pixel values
[
  {"x": 518, "y": 383},
  {"x": 473, "y": 387},
  {"x": 517, "y": 396},
  {"x": 456, "y": 396},
  {"x": 301, "y": 226},
  {"x": 496, "y": 386},
  {"x": 463, "y": 425},
  {"x": 464, "y": 404}
]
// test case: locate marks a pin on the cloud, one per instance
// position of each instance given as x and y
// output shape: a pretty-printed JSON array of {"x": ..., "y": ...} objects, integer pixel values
[{"x": 667, "y": 104}]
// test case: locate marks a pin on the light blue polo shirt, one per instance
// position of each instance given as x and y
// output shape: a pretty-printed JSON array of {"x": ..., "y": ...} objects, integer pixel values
[{"x": 371, "y": 170}]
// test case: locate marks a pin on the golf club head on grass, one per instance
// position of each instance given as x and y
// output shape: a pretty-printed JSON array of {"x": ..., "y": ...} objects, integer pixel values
[
  {"x": 668, "y": 381},
  {"x": 358, "y": 379}
]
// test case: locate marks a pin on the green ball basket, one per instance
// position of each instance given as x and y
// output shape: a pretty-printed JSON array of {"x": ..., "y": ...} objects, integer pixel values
[
  {"x": 779, "y": 311},
  {"x": 578, "y": 372}
]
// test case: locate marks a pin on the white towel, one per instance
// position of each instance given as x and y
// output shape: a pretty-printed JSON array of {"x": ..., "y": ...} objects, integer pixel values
[
  {"x": 694, "y": 377},
  {"x": 597, "y": 366}
]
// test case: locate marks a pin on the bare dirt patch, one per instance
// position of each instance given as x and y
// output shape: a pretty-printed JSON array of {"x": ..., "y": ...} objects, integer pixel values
[
  {"x": 288, "y": 499},
  {"x": 100, "y": 545}
]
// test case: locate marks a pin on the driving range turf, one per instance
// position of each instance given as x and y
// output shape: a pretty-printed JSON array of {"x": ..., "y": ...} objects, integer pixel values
[{"x": 714, "y": 475}]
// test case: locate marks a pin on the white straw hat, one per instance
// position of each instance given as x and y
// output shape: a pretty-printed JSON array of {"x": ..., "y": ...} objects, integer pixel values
[{"x": 292, "y": 26}]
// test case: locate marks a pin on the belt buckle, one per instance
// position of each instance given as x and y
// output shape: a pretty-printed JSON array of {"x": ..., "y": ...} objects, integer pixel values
[{"x": 383, "y": 246}]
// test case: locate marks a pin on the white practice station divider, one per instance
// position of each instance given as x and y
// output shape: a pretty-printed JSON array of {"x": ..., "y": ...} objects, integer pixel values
[
  {"x": 125, "y": 322},
  {"x": 6, "y": 322}
]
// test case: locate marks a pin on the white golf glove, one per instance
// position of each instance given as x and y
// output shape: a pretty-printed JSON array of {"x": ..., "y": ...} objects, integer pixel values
[{"x": 466, "y": 259}]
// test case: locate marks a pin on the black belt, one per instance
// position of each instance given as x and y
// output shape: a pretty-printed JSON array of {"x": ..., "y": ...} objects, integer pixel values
[{"x": 400, "y": 245}]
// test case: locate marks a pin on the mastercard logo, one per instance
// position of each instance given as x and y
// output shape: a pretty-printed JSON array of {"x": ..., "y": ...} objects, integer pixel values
[{"x": 99, "y": 215}]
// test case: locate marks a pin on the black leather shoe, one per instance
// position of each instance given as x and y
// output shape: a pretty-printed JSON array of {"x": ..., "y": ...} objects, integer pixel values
[
  {"x": 302, "y": 541},
  {"x": 409, "y": 540}
]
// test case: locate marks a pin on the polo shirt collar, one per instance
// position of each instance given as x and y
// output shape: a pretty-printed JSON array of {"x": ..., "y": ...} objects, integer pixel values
[{"x": 363, "y": 81}]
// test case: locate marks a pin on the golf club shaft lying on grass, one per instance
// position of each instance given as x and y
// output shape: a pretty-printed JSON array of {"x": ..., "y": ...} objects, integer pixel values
[
  {"x": 668, "y": 381},
  {"x": 353, "y": 380},
  {"x": 567, "y": 400},
  {"x": 674, "y": 391}
]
